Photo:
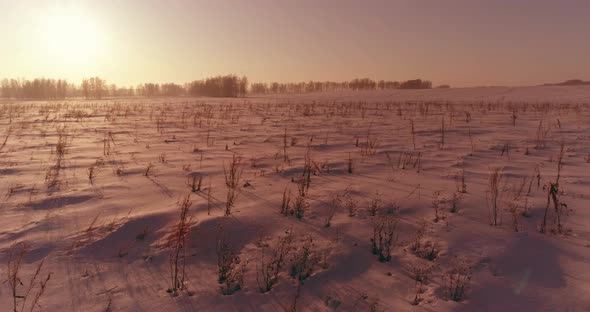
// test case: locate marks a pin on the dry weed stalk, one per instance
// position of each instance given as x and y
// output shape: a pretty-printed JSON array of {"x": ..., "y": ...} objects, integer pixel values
[
  {"x": 461, "y": 185},
  {"x": 384, "y": 235},
  {"x": 472, "y": 143},
  {"x": 424, "y": 249},
  {"x": 350, "y": 203},
  {"x": 230, "y": 268},
  {"x": 413, "y": 132},
  {"x": 232, "y": 173},
  {"x": 513, "y": 209},
  {"x": 194, "y": 181},
  {"x": 177, "y": 244},
  {"x": 91, "y": 174},
  {"x": 53, "y": 172},
  {"x": 300, "y": 207},
  {"x": 303, "y": 260},
  {"x": 513, "y": 117},
  {"x": 375, "y": 204},
  {"x": 333, "y": 206},
  {"x": 209, "y": 198},
  {"x": 6, "y": 136},
  {"x": 285, "y": 156},
  {"x": 494, "y": 193},
  {"x": 107, "y": 141},
  {"x": 14, "y": 280},
  {"x": 149, "y": 170},
  {"x": 350, "y": 163},
  {"x": 268, "y": 271},
  {"x": 542, "y": 133},
  {"x": 369, "y": 148},
  {"x": 456, "y": 281},
  {"x": 455, "y": 201},
  {"x": 293, "y": 307},
  {"x": 439, "y": 204},
  {"x": 285, "y": 202},
  {"x": 442, "y": 133},
  {"x": 554, "y": 196}
]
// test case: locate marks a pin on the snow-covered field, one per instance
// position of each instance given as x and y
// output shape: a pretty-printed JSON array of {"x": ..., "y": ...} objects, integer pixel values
[{"x": 94, "y": 189}]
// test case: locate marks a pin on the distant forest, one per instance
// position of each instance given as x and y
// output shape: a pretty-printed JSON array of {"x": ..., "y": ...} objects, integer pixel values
[
  {"x": 572, "y": 82},
  {"x": 319, "y": 86},
  {"x": 219, "y": 86}
]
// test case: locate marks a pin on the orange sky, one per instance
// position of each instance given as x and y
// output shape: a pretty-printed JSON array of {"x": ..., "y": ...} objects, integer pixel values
[{"x": 457, "y": 42}]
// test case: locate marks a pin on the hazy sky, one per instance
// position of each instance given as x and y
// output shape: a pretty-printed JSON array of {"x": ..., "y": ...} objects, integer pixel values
[{"x": 459, "y": 42}]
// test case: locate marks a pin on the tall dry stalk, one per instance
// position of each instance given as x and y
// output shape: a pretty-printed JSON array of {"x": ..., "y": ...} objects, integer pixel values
[
  {"x": 442, "y": 133},
  {"x": 177, "y": 243},
  {"x": 233, "y": 173},
  {"x": 494, "y": 191},
  {"x": 384, "y": 235},
  {"x": 413, "y": 132},
  {"x": 553, "y": 195},
  {"x": 285, "y": 156},
  {"x": 6, "y": 136}
]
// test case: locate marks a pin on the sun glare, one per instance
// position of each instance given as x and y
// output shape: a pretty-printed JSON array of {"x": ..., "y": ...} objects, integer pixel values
[{"x": 71, "y": 37}]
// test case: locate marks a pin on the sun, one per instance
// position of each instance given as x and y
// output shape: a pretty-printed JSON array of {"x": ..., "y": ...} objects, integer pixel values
[{"x": 70, "y": 37}]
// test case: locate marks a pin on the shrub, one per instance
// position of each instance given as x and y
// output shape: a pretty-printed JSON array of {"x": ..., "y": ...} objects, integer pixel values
[
  {"x": 268, "y": 272},
  {"x": 230, "y": 268},
  {"x": 456, "y": 281},
  {"x": 333, "y": 206},
  {"x": 384, "y": 236},
  {"x": 421, "y": 273},
  {"x": 439, "y": 204},
  {"x": 375, "y": 204},
  {"x": 300, "y": 207},
  {"x": 303, "y": 261}
]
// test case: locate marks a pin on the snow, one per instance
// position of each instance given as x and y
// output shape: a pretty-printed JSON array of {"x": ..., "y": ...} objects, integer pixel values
[{"x": 87, "y": 233}]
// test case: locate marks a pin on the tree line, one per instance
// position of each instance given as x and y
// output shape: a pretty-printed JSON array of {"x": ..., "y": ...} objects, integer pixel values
[
  {"x": 52, "y": 89},
  {"x": 219, "y": 86},
  {"x": 330, "y": 86},
  {"x": 37, "y": 89}
]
